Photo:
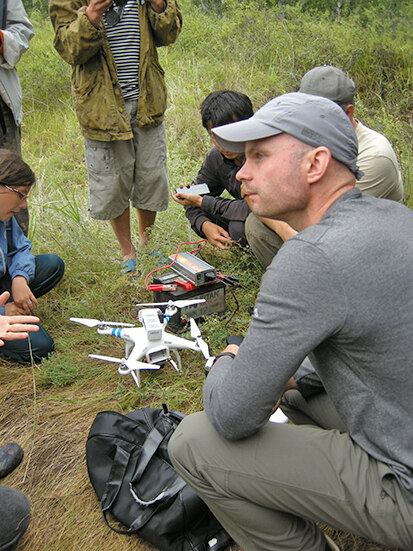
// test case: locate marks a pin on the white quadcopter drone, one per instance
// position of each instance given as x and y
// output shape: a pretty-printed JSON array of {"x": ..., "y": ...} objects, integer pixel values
[{"x": 150, "y": 342}]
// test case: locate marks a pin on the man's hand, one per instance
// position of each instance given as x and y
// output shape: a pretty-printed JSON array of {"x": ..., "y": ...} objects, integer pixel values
[
  {"x": 233, "y": 348},
  {"x": 13, "y": 328},
  {"x": 216, "y": 235},
  {"x": 291, "y": 385},
  {"x": 187, "y": 200},
  {"x": 96, "y": 9},
  {"x": 23, "y": 298}
]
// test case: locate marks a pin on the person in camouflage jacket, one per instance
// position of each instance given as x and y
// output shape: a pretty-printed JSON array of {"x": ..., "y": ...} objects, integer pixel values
[{"x": 81, "y": 38}]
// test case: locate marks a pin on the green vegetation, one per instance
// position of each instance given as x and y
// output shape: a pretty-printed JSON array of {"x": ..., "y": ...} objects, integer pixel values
[{"x": 259, "y": 48}]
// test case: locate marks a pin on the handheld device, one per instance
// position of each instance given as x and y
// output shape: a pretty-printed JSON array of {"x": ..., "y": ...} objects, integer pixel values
[
  {"x": 197, "y": 189},
  {"x": 234, "y": 339}
]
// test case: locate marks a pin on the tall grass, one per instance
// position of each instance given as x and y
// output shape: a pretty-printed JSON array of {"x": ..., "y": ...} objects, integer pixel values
[{"x": 250, "y": 47}]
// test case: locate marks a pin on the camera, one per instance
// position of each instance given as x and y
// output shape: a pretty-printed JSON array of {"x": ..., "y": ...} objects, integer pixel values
[{"x": 120, "y": 3}]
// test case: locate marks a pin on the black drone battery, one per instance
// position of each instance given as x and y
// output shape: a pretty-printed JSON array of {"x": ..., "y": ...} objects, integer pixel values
[{"x": 213, "y": 293}]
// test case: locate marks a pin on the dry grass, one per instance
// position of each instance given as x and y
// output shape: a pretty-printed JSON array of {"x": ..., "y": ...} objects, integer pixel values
[{"x": 52, "y": 424}]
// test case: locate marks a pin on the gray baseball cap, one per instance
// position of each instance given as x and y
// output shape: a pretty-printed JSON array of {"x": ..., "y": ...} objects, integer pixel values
[
  {"x": 329, "y": 82},
  {"x": 314, "y": 120}
]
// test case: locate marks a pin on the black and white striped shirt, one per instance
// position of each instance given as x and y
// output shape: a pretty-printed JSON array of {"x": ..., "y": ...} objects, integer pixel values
[{"x": 124, "y": 42}]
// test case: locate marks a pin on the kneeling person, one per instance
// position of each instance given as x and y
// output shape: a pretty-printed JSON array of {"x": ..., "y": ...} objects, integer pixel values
[
  {"x": 218, "y": 219},
  {"x": 25, "y": 276}
]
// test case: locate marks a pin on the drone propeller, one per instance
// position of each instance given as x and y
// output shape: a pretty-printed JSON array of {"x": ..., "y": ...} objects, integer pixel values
[
  {"x": 196, "y": 334},
  {"x": 94, "y": 323},
  {"x": 177, "y": 303},
  {"x": 130, "y": 364}
]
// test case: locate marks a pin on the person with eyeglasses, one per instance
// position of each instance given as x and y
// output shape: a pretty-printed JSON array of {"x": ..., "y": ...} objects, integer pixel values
[
  {"x": 120, "y": 101},
  {"x": 25, "y": 276}
]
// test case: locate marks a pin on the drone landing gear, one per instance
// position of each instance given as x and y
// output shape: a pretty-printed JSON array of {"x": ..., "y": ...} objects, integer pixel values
[
  {"x": 136, "y": 377},
  {"x": 178, "y": 364}
]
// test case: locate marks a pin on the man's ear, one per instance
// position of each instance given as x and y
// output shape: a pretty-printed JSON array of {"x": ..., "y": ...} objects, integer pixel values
[
  {"x": 318, "y": 162},
  {"x": 349, "y": 110}
]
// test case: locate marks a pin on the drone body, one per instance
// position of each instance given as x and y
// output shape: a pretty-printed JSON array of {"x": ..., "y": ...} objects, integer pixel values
[{"x": 150, "y": 345}]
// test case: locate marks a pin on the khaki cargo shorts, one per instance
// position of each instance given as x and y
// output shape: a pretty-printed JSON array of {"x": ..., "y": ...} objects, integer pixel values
[{"x": 127, "y": 172}]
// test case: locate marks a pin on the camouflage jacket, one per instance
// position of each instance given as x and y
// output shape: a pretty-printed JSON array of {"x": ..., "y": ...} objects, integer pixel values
[{"x": 97, "y": 96}]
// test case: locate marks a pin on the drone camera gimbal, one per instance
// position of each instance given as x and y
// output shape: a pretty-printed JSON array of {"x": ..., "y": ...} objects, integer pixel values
[{"x": 157, "y": 355}]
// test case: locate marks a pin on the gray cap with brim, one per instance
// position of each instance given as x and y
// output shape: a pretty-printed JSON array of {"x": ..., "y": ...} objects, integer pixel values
[
  {"x": 329, "y": 82},
  {"x": 314, "y": 120}
]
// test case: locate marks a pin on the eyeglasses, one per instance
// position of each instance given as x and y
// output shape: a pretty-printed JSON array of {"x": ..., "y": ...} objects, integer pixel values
[{"x": 22, "y": 196}]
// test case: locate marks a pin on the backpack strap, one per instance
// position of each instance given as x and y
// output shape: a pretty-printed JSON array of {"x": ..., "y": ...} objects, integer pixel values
[
  {"x": 113, "y": 484},
  {"x": 149, "y": 447},
  {"x": 117, "y": 473},
  {"x": 152, "y": 443}
]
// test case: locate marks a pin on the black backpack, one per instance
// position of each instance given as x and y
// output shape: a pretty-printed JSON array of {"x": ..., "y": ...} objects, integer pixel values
[{"x": 130, "y": 470}]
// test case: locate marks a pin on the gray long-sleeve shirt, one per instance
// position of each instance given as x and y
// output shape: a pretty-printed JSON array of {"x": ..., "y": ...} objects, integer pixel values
[{"x": 340, "y": 293}]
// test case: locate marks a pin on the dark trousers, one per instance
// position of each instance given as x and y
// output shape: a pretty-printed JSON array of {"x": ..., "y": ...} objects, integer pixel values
[{"x": 49, "y": 271}]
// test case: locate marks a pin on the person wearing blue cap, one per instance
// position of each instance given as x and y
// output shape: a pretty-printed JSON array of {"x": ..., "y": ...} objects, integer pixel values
[{"x": 335, "y": 302}]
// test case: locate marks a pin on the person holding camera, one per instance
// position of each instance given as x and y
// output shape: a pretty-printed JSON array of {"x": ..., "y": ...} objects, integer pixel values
[
  {"x": 219, "y": 219},
  {"x": 337, "y": 299},
  {"x": 120, "y": 99}
]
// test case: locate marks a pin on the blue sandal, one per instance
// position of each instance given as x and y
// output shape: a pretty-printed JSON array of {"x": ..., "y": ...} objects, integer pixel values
[{"x": 128, "y": 266}]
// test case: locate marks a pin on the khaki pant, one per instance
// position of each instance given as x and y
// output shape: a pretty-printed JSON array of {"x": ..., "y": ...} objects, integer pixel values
[
  {"x": 264, "y": 242},
  {"x": 124, "y": 172},
  {"x": 270, "y": 489}
]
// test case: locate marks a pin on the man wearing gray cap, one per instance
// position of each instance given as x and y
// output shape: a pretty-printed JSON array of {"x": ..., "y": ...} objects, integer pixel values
[
  {"x": 376, "y": 159},
  {"x": 337, "y": 298}
]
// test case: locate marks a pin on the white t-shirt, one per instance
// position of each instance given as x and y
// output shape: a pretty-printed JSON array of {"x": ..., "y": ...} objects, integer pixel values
[{"x": 377, "y": 159}]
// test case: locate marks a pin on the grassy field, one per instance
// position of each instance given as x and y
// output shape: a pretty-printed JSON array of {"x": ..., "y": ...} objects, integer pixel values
[{"x": 49, "y": 408}]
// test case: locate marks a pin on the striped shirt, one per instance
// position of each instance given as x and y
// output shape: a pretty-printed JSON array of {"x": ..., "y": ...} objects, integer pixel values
[{"x": 124, "y": 42}]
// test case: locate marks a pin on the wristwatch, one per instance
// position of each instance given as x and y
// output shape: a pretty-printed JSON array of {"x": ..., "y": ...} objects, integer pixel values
[{"x": 211, "y": 360}]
